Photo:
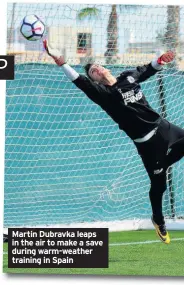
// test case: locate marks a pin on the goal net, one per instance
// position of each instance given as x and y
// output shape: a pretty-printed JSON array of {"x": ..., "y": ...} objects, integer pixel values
[{"x": 66, "y": 161}]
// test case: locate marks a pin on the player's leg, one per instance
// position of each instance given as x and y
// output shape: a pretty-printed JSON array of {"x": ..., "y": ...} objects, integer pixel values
[
  {"x": 158, "y": 186},
  {"x": 176, "y": 146},
  {"x": 176, "y": 152},
  {"x": 153, "y": 154}
]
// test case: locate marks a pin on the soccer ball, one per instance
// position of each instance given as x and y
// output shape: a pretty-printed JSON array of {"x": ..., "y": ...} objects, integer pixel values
[{"x": 32, "y": 28}]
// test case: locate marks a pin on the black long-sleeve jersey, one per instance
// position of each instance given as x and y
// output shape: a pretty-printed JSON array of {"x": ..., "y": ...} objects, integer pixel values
[{"x": 124, "y": 101}]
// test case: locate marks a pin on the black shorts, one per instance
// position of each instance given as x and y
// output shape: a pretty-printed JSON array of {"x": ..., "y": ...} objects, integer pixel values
[{"x": 153, "y": 152}]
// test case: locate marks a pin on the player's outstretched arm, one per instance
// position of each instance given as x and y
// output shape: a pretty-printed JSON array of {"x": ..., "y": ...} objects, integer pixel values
[
  {"x": 146, "y": 71},
  {"x": 55, "y": 54},
  {"x": 60, "y": 61},
  {"x": 90, "y": 88}
]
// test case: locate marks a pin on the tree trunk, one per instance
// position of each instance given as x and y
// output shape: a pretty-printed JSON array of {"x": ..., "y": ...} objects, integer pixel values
[
  {"x": 112, "y": 37},
  {"x": 172, "y": 32}
]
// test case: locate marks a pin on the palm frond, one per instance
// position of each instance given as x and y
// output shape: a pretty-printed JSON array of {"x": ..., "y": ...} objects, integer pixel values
[{"x": 88, "y": 12}]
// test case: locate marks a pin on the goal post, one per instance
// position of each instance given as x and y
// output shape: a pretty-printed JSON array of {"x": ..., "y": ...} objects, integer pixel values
[{"x": 66, "y": 161}]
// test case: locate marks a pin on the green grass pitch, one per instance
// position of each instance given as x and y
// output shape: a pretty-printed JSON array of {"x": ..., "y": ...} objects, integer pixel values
[{"x": 129, "y": 255}]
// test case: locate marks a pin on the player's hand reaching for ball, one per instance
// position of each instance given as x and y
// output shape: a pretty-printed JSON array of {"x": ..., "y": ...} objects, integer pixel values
[
  {"x": 166, "y": 57},
  {"x": 55, "y": 54}
]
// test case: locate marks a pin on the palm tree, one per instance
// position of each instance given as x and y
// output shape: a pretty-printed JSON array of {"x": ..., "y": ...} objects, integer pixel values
[
  {"x": 112, "y": 37},
  {"x": 112, "y": 29}
]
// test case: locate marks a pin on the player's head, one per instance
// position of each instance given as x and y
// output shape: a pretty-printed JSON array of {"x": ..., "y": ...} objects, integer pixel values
[{"x": 96, "y": 72}]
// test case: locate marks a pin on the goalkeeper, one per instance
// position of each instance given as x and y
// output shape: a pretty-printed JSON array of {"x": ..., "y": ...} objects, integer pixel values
[{"x": 158, "y": 142}]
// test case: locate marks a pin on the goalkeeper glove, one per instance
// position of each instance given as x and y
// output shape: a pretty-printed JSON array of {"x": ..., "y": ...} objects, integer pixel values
[
  {"x": 166, "y": 58},
  {"x": 55, "y": 54}
]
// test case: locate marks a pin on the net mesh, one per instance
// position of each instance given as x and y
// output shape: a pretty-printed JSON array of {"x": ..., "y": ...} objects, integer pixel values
[{"x": 66, "y": 160}]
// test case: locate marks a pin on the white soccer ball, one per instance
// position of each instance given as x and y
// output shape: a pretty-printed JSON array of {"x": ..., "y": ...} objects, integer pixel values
[{"x": 32, "y": 28}]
